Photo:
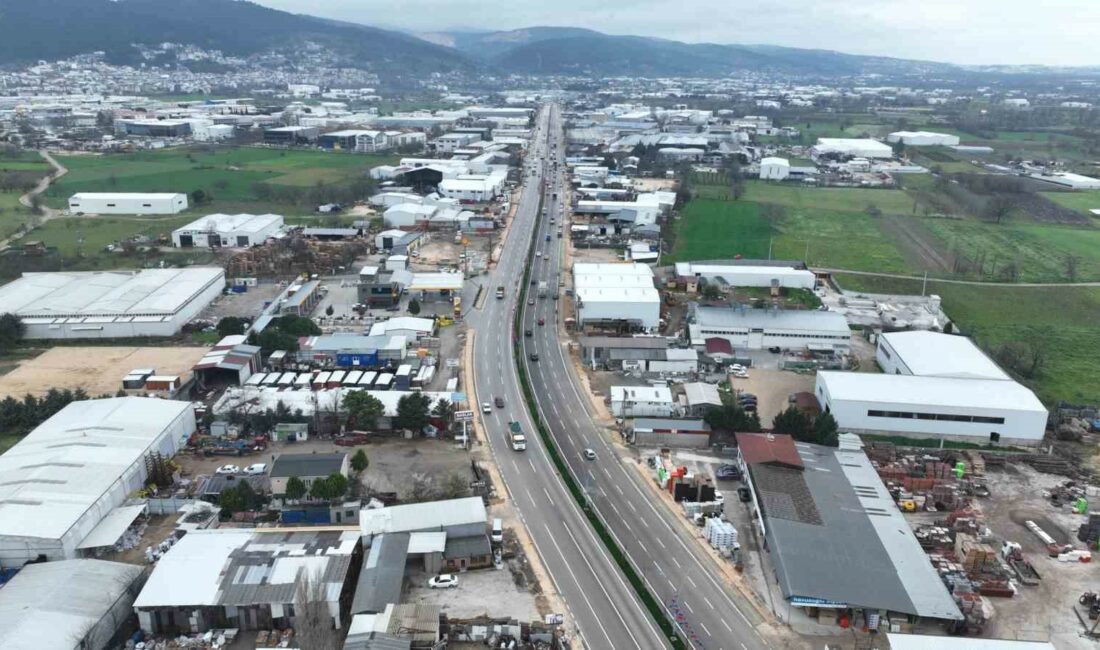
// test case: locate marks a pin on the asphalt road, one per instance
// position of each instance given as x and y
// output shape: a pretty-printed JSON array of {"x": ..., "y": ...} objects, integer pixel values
[
  {"x": 601, "y": 604},
  {"x": 711, "y": 614}
]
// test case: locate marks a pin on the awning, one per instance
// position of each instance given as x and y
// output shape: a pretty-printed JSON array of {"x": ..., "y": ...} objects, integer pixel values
[{"x": 110, "y": 528}]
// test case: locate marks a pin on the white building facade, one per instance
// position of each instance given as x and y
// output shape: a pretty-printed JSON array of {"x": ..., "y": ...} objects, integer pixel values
[
  {"x": 228, "y": 230},
  {"x": 756, "y": 329},
  {"x": 774, "y": 169},
  {"x": 622, "y": 293},
  {"x": 126, "y": 203},
  {"x": 641, "y": 402}
]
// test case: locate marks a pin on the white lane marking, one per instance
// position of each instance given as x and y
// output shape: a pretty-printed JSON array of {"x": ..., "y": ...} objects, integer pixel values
[
  {"x": 705, "y": 629},
  {"x": 532, "y": 463},
  {"x": 660, "y": 542},
  {"x": 610, "y": 601},
  {"x": 547, "y": 492},
  {"x": 646, "y": 550},
  {"x": 691, "y": 581},
  {"x": 688, "y": 605},
  {"x": 584, "y": 593},
  {"x": 677, "y": 563}
]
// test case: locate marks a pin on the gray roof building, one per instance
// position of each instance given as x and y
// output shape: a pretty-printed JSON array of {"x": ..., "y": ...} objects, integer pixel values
[
  {"x": 837, "y": 538},
  {"x": 382, "y": 575},
  {"x": 302, "y": 465}
]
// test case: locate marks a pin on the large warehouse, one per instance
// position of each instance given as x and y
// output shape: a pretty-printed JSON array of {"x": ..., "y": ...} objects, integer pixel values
[
  {"x": 756, "y": 329},
  {"x": 853, "y": 147},
  {"x": 743, "y": 275},
  {"x": 127, "y": 203},
  {"x": 936, "y": 385},
  {"x": 974, "y": 410},
  {"x": 228, "y": 230},
  {"x": 111, "y": 304},
  {"x": 620, "y": 295},
  {"x": 923, "y": 138},
  {"x": 64, "y": 479}
]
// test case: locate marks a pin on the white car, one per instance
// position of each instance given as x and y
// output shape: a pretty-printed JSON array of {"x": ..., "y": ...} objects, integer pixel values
[
  {"x": 740, "y": 374},
  {"x": 736, "y": 367},
  {"x": 590, "y": 454},
  {"x": 443, "y": 581},
  {"x": 486, "y": 407},
  {"x": 228, "y": 469},
  {"x": 256, "y": 469},
  {"x": 538, "y": 253}
]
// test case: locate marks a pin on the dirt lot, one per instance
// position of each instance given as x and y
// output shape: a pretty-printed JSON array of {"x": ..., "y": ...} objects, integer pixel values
[
  {"x": 486, "y": 592},
  {"x": 98, "y": 370},
  {"x": 243, "y": 305},
  {"x": 1043, "y": 612},
  {"x": 772, "y": 389},
  {"x": 595, "y": 255}
]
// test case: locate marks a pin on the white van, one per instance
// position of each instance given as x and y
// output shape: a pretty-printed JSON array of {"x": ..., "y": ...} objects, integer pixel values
[{"x": 497, "y": 536}]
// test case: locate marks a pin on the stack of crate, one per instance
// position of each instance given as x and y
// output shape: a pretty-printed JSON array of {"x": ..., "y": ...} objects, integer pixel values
[{"x": 720, "y": 534}]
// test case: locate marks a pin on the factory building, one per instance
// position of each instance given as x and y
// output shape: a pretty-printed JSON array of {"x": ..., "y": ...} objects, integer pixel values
[
  {"x": 745, "y": 275},
  {"x": 756, "y": 329},
  {"x": 935, "y": 386},
  {"x": 291, "y": 135},
  {"x": 111, "y": 304},
  {"x": 154, "y": 128},
  {"x": 812, "y": 502},
  {"x": 923, "y": 139},
  {"x": 621, "y": 296},
  {"x": 852, "y": 148},
  {"x": 642, "y": 401},
  {"x": 471, "y": 189},
  {"x": 228, "y": 230},
  {"x": 64, "y": 482},
  {"x": 774, "y": 169},
  {"x": 127, "y": 203}
]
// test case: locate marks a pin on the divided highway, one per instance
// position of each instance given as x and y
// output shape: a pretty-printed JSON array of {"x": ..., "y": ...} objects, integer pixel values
[
  {"x": 602, "y": 605},
  {"x": 710, "y": 614}
]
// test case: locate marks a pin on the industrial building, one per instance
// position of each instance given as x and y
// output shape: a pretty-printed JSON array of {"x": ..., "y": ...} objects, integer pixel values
[
  {"x": 473, "y": 189},
  {"x": 667, "y": 432},
  {"x": 246, "y": 578},
  {"x": 127, "y": 203},
  {"x": 972, "y": 410},
  {"x": 306, "y": 467},
  {"x": 936, "y": 385},
  {"x": 774, "y": 169},
  {"x": 744, "y": 275},
  {"x": 228, "y": 230},
  {"x": 642, "y": 401},
  {"x": 455, "y": 529},
  {"x": 111, "y": 304},
  {"x": 852, "y": 148},
  {"x": 835, "y": 538},
  {"x": 67, "y": 605},
  {"x": 923, "y": 139},
  {"x": 757, "y": 329},
  {"x": 292, "y": 135},
  {"x": 1070, "y": 180},
  {"x": 351, "y": 350},
  {"x": 616, "y": 295},
  {"x": 63, "y": 481}
]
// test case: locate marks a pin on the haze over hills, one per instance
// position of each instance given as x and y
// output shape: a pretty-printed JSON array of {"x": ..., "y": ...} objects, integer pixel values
[{"x": 55, "y": 29}]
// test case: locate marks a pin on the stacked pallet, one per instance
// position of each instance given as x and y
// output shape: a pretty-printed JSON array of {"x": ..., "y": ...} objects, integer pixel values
[
  {"x": 720, "y": 534},
  {"x": 976, "y": 558}
]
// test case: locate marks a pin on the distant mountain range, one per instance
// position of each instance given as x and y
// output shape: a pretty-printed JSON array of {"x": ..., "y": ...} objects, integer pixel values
[{"x": 31, "y": 30}]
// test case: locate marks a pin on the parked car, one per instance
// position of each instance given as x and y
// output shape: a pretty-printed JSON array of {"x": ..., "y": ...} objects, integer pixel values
[
  {"x": 443, "y": 581},
  {"x": 256, "y": 469},
  {"x": 749, "y": 407},
  {"x": 499, "y": 402},
  {"x": 736, "y": 367},
  {"x": 727, "y": 473},
  {"x": 590, "y": 454},
  {"x": 486, "y": 407},
  {"x": 744, "y": 495},
  {"x": 228, "y": 469},
  {"x": 774, "y": 349}
]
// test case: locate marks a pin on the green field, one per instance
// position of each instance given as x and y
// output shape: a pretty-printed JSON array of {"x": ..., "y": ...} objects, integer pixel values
[
  {"x": 841, "y": 199},
  {"x": 227, "y": 174},
  {"x": 1080, "y": 201},
  {"x": 720, "y": 229},
  {"x": 1063, "y": 318}
]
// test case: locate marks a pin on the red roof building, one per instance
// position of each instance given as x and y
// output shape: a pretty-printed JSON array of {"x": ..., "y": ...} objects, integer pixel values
[{"x": 768, "y": 448}]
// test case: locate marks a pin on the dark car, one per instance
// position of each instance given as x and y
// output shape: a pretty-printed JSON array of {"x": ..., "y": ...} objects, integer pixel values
[
  {"x": 744, "y": 495},
  {"x": 542, "y": 321},
  {"x": 727, "y": 473},
  {"x": 749, "y": 408},
  {"x": 534, "y": 356},
  {"x": 528, "y": 333},
  {"x": 499, "y": 401},
  {"x": 774, "y": 349}
]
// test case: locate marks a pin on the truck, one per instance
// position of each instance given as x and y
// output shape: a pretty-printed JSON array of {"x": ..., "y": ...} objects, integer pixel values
[
  {"x": 515, "y": 433},
  {"x": 543, "y": 288},
  {"x": 500, "y": 292}
]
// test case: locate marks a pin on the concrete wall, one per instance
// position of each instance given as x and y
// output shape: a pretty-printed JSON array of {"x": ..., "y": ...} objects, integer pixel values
[{"x": 680, "y": 440}]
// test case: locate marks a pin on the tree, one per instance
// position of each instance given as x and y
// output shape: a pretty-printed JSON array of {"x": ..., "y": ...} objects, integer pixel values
[
  {"x": 198, "y": 197},
  {"x": 455, "y": 486},
  {"x": 412, "y": 412},
  {"x": 414, "y": 306},
  {"x": 295, "y": 488},
  {"x": 363, "y": 409},
  {"x": 329, "y": 311},
  {"x": 12, "y": 330},
  {"x": 313, "y": 625},
  {"x": 1071, "y": 267},
  {"x": 826, "y": 431},
  {"x": 999, "y": 207},
  {"x": 359, "y": 462},
  {"x": 711, "y": 292},
  {"x": 443, "y": 410},
  {"x": 231, "y": 325},
  {"x": 792, "y": 422},
  {"x": 731, "y": 417},
  {"x": 331, "y": 487}
]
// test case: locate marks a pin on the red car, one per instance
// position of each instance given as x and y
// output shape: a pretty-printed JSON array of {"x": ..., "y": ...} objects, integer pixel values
[{"x": 542, "y": 321}]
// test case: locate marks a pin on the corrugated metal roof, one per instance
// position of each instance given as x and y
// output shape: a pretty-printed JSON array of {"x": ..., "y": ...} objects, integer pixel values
[
  {"x": 431, "y": 515},
  {"x": 382, "y": 575},
  {"x": 303, "y": 465}
]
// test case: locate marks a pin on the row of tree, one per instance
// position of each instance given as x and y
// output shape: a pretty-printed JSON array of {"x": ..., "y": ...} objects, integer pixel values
[
  {"x": 820, "y": 430},
  {"x": 20, "y": 416}
]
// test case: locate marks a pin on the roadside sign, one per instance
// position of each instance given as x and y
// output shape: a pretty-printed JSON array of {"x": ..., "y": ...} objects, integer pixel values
[
  {"x": 464, "y": 416},
  {"x": 451, "y": 363}
]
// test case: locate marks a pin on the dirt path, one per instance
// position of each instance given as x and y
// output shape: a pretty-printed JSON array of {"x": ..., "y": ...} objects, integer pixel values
[
  {"x": 27, "y": 200},
  {"x": 917, "y": 244}
]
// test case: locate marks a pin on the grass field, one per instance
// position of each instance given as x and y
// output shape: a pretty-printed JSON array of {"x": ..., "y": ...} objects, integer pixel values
[
  {"x": 720, "y": 229},
  {"x": 228, "y": 174},
  {"x": 1040, "y": 251},
  {"x": 1079, "y": 201},
  {"x": 841, "y": 199},
  {"x": 1064, "y": 318}
]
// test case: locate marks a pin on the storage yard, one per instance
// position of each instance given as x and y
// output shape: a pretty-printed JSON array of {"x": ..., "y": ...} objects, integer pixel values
[{"x": 97, "y": 370}]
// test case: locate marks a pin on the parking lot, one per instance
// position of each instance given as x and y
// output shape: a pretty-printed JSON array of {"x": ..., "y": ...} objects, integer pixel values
[
  {"x": 772, "y": 389},
  {"x": 484, "y": 592}
]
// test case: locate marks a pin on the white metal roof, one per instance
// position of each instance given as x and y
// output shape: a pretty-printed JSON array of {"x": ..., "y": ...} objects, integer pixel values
[
  {"x": 940, "y": 391},
  {"x": 661, "y": 394},
  {"x": 422, "y": 516},
  {"x": 63, "y": 467},
  {"x": 53, "y": 604},
  {"x": 925, "y": 641},
  {"x": 110, "y": 528},
  {"x": 229, "y": 223},
  {"x": 123, "y": 196},
  {"x": 631, "y": 295},
  {"x": 772, "y": 320},
  {"x": 158, "y": 292},
  {"x": 942, "y": 355}
]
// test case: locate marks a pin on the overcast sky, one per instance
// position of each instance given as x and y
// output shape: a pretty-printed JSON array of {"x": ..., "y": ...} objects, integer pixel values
[{"x": 1053, "y": 32}]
